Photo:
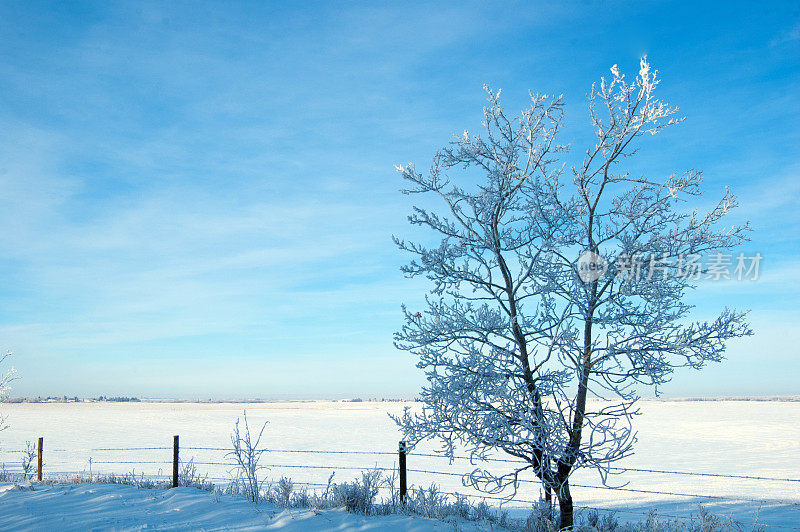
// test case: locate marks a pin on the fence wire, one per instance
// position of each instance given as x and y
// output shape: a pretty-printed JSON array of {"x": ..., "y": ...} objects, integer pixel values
[{"x": 17, "y": 470}]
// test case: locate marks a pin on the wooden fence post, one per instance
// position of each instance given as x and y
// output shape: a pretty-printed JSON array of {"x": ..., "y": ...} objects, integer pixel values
[
  {"x": 175, "y": 461},
  {"x": 401, "y": 458},
  {"x": 39, "y": 459}
]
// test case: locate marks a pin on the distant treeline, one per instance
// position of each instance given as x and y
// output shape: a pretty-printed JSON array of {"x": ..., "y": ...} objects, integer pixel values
[
  {"x": 376, "y": 400},
  {"x": 786, "y": 398},
  {"x": 118, "y": 399},
  {"x": 76, "y": 399}
]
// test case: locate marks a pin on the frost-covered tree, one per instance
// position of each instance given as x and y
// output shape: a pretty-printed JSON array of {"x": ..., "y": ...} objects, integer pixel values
[
  {"x": 5, "y": 381},
  {"x": 515, "y": 340}
]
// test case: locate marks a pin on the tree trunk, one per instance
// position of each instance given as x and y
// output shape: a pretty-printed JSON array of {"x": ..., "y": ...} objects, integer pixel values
[{"x": 565, "y": 507}]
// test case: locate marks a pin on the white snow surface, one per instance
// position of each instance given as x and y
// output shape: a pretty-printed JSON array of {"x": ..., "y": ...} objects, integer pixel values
[
  {"x": 757, "y": 438},
  {"x": 84, "y": 507}
]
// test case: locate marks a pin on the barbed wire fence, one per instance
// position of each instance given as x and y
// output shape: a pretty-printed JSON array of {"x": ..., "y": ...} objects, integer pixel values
[{"x": 41, "y": 473}]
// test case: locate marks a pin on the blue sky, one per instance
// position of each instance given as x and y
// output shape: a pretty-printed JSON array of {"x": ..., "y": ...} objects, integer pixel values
[{"x": 198, "y": 198}]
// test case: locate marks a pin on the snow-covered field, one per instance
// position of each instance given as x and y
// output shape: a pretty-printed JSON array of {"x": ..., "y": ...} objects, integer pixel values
[
  {"x": 117, "y": 507},
  {"x": 729, "y": 437}
]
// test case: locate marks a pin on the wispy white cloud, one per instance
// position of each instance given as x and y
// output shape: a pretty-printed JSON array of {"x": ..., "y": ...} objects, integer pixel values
[{"x": 786, "y": 36}]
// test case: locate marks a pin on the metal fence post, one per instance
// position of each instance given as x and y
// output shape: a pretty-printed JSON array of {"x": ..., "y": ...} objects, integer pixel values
[
  {"x": 402, "y": 462},
  {"x": 39, "y": 452},
  {"x": 175, "y": 448}
]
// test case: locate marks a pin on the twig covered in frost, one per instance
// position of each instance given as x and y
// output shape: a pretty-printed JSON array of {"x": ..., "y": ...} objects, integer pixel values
[
  {"x": 5, "y": 381},
  {"x": 247, "y": 455},
  {"x": 29, "y": 457}
]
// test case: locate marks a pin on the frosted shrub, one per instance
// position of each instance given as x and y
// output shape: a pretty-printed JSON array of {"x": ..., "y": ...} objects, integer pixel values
[
  {"x": 541, "y": 518},
  {"x": 284, "y": 490},
  {"x": 358, "y": 497},
  {"x": 247, "y": 455},
  {"x": 302, "y": 499},
  {"x": 7, "y": 476},
  {"x": 605, "y": 522},
  {"x": 427, "y": 502},
  {"x": 29, "y": 457},
  {"x": 483, "y": 512},
  {"x": 703, "y": 522},
  {"x": 461, "y": 507},
  {"x": 128, "y": 479},
  {"x": 434, "y": 504},
  {"x": 189, "y": 477},
  {"x": 5, "y": 380}
]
